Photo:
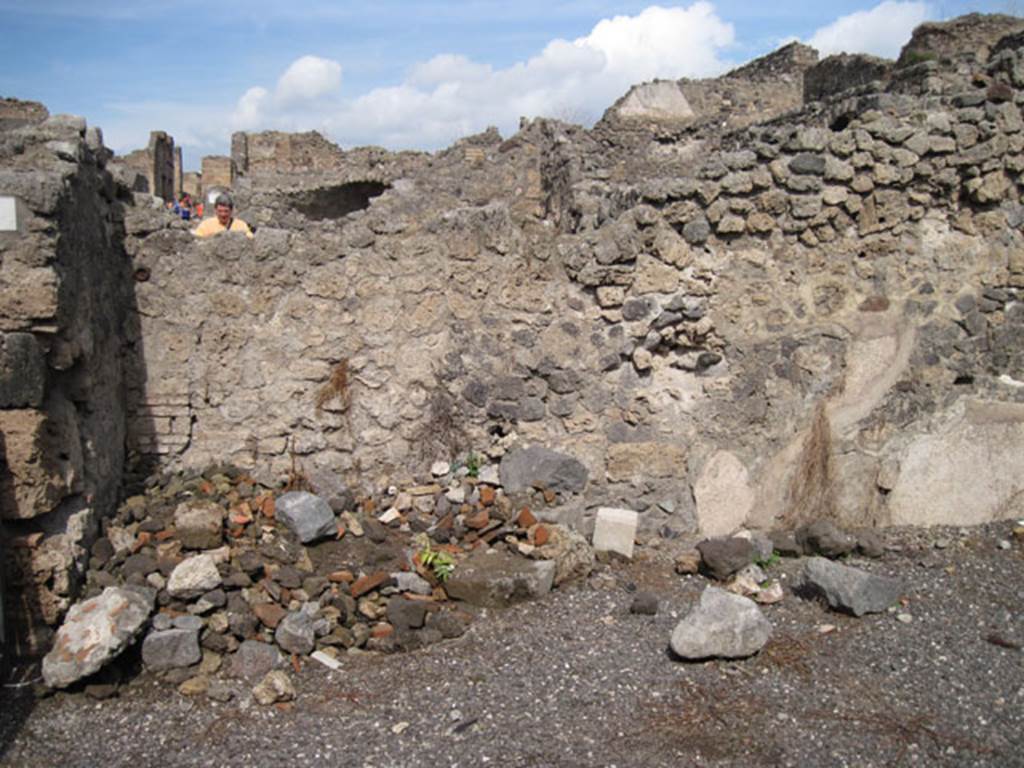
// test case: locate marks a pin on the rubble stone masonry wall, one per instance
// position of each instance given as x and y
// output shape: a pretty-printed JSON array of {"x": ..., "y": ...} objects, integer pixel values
[
  {"x": 815, "y": 314},
  {"x": 65, "y": 295}
]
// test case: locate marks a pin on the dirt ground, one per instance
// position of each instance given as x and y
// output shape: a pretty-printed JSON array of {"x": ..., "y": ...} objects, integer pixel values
[{"x": 576, "y": 680}]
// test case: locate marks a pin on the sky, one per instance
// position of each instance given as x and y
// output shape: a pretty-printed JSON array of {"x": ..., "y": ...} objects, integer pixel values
[{"x": 402, "y": 74}]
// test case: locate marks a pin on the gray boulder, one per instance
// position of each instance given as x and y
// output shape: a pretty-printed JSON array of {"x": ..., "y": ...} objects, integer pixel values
[
  {"x": 171, "y": 649},
  {"x": 723, "y": 625},
  {"x": 406, "y": 614},
  {"x": 722, "y": 557},
  {"x": 94, "y": 632},
  {"x": 331, "y": 488},
  {"x": 538, "y": 466},
  {"x": 253, "y": 660},
  {"x": 296, "y": 633},
  {"x": 850, "y": 589},
  {"x": 308, "y": 516},
  {"x": 822, "y": 537},
  {"x": 493, "y": 579}
]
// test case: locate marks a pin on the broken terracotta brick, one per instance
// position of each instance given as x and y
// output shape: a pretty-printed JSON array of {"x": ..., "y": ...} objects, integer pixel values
[
  {"x": 541, "y": 534},
  {"x": 526, "y": 519},
  {"x": 369, "y": 583}
]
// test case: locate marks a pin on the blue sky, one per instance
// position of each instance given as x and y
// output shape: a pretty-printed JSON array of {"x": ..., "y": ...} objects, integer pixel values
[{"x": 398, "y": 73}]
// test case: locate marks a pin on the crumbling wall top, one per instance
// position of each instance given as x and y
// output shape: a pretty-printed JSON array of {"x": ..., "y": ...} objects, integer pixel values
[
  {"x": 15, "y": 113},
  {"x": 840, "y": 73},
  {"x": 972, "y": 35}
]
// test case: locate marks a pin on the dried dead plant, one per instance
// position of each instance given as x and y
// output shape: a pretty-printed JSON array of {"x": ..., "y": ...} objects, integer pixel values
[
  {"x": 297, "y": 479},
  {"x": 441, "y": 433},
  {"x": 336, "y": 388},
  {"x": 812, "y": 492}
]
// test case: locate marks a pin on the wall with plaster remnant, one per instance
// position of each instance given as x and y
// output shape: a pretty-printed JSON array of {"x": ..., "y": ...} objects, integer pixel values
[{"x": 806, "y": 314}]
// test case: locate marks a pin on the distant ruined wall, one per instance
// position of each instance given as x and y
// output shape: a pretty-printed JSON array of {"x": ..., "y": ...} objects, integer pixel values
[
  {"x": 217, "y": 172},
  {"x": 65, "y": 293},
  {"x": 158, "y": 164},
  {"x": 277, "y": 152}
]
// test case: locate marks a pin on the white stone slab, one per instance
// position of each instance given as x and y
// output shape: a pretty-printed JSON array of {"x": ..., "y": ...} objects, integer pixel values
[
  {"x": 328, "y": 661},
  {"x": 8, "y": 214},
  {"x": 615, "y": 531}
]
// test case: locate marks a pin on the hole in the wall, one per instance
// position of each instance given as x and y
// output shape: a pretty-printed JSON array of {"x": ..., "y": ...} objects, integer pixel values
[
  {"x": 841, "y": 123},
  {"x": 327, "y": 203}
]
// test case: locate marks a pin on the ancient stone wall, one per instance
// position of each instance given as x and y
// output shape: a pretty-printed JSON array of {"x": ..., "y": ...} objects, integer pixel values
[
  {"x": 816, "y": 313},
  {"x": 192, "y": 184},
  {"x": 277, "y": 152},
  {"x": 843, "y": 72},
  {"x": 158, "y": 165},
  {"x": 65, "y": 293},
  {"x": 678, "y": 330},
  {"x": 217, "y": 172}
]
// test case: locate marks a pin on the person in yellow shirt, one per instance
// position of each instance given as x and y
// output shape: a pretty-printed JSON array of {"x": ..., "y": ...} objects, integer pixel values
[{"x": 224, "y": 221}]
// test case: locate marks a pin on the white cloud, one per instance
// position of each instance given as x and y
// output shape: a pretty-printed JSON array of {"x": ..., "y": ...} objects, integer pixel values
[
  {"x": 306, "y": 80},
  {"x": 249, "y": 113},
  {"x": 450, "y": 95},
  {"x": 882, "y": 30}
]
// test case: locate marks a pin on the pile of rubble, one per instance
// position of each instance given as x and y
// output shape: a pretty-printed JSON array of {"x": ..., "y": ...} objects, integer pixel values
[
  {"x": 215, "y": 570},
  {"x": 225, "y": 580}
]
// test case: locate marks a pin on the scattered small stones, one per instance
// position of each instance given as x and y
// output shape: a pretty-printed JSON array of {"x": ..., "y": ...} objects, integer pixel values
[
  {"x": 769, "y": 594},
  {"x": 688, "y": 562},
  {"x": 723, "y": 625},
  {"x": 274, "y": 687},
  {"x": 747, "y": 581},
  {"x": 850, "y": 589}
]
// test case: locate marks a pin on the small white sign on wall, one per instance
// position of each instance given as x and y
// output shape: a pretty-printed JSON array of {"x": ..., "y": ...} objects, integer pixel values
[{"x": 8, "y": 214}]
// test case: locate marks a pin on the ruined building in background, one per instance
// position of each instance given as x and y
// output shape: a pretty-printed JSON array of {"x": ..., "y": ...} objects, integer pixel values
[{"x": 788, "y": 291}]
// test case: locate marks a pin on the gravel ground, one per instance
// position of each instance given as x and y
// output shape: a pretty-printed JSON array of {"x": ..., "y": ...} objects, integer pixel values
[{"x": 577, "y": 680}]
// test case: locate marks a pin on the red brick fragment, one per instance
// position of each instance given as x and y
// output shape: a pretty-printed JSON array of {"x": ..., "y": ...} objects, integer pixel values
[
  {"x": 526, "y": 518},
  {"x": 541, "y": 534},
  {"x": 369, "y": 583}
]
